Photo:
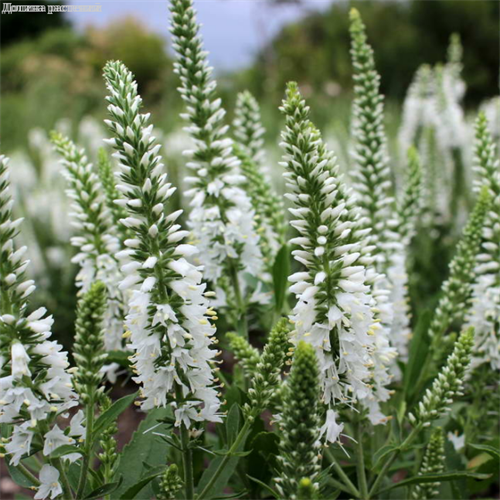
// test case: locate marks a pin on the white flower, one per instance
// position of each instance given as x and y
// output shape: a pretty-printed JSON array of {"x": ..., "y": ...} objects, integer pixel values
[
  {"x": 76, "y": 429},
  {"x": 50, "y": 486},
  {"x": 20, "y": 361},
  {"x": 56, "y": 438},
  {"x": 458, "y": 441},
  {"x": 20, "y": 442},
  {"x": 331, "y": 429}
]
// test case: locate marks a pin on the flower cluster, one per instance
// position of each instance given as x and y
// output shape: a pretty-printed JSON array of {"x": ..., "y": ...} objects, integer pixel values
[
  {"x": 97, "y": 240},
  {"x": 88, "y": 347},
  {"x": 247, "y": 125},
  {"x": 221, "y": 216},
  {"x": 448, "y": 384},
  {"x": 299, "y": 444},
  {"x": 35, "y": 384},
  {"x": 372, "y": 174},
  {"x": 336, "y": 311},
  {"x": 456, "y": 290},
  {"x": 268, "y": 207},
  {"x": 432, "y": 463},
  {"x": 267, "y": 376},
  {"x": 484, "y": 315},
  {"x": 169, "y": 318},
  {"x": 409, "y": 208},
  {"x": 374, "y": 187}
]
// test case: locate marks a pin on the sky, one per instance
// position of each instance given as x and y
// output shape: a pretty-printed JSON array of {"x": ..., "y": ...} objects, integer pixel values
[{"x": 233, "y": 30}]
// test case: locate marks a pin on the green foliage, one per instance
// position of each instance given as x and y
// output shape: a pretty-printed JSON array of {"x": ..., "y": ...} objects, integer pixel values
[{"x": 315, "y": 47}]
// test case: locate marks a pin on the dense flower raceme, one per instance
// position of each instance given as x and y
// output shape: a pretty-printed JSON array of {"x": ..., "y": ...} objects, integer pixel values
[
  {"x": 268, "y": 207},
  {"x": 299, "y": 425},
  {"x": 372, "y": 182},
  {"x": 418, "y": 108},
  {"x": 169, "y": 314},
  {"x": 450, "y": 123},
  {"x": 448, "y": 384},
  {"x": 221, "y": 216},
  {"x": 336, "y": 310},
  {"x": 409, "y": 208},
  {"x": 456, "y": 291},
  {"x": 35, "y": 384},
  {"x": 372, "y": 174},
  {"x": 97, "y": 239},
  {"x": 484, "y": 315},
  {"x": 432, "y": 463}
]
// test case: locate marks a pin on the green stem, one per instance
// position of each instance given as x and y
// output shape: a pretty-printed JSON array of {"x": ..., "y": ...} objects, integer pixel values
[
  {"x": 337, "y": 484},
  {"x": 360, "y": 465},
  {"x": 342, "y": 475},
  {"x": 413, "y": 434},
  {"x": 89, "y": 427},
  {"x": 67, "y": 493},
  {"x": 28, "y": 474},
  {"x": 187, "y": 461},
  {"x": 237, "y": 442},
  {"x": 242, "y": 325}
]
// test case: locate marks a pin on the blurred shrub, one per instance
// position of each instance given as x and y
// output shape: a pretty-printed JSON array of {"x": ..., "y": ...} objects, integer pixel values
[
  {"x": 315, "y": 50},
  {"x": 59, "y": 74}
]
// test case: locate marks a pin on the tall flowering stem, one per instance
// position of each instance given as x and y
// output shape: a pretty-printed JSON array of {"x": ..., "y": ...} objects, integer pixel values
[
  {"x": 35, "y": 384},
  {"x": 372, "y": 176},
  {"x": 268, "y": 207},
  {"x": 373, "y": 185},
  {"x": 107, "y": 178},
  {"x": 248, "y": 128},
  {"x": 335, "y": 311},
  {"x": 484, "y": 314},
  {"x": 97, "y": 238},
  {"x": 409, "y": 208},
  {"x": 221, "y": 216},
  {"x": 432, "y": 463},
  {"x": 169, "y": 318},
  {"x": 447, "y": 385},
  {"x": 90, "y": 357},
  {"x": 299, "y": 445},
  {"x": 410, "y": 204},
  {"x": 457, "y": 289}
]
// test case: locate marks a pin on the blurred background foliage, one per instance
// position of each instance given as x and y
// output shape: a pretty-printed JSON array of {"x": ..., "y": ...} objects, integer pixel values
[{"x": 48, "y": 70}]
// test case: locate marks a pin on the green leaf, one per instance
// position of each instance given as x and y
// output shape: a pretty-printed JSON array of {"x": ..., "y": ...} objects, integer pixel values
[
  {"x": 145, "y": 451},
  {"x": 17, "y": 476},
  {"x": 105, "y": 489},
  {"x": 435, "y": 478},
  {"x": 232, "y": 495},
  {"x": 381, "y": 453},
  {"x": 112, "y": 413},
  {"x": 418, "y": 352},
  {"x": 281, "y": 271},
  {"x": 134, "y": 490},
  {"x": 264, "y": 448},
  {"x": 65, "y": 449},
  {"x": 233, "y": 424},
  {"x": 494, "y": 452},
  {"x": 120, "y": 357},
  {"x": 225, "y": 475}
]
